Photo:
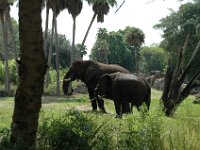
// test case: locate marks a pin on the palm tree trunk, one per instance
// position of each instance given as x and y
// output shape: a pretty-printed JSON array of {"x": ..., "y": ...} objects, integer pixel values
[
  {"x": 50, "y": 52},
  {"x": 73, "y": 41},
  {"x": 57, "y": 60},
  {"x": 8, "y": 18},
  {"x": 87, "y": 32},
  {"x": 46, "y": 29},
  {"x": 5, "y": 48},
  {"x": 32, "y": 68}
]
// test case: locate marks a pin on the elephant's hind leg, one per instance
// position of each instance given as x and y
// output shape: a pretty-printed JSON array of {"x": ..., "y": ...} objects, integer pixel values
[{"x": 118, "y": 108}]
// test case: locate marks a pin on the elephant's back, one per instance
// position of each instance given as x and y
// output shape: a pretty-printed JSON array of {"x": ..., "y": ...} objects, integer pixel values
[
  {"x": 131, "y": 87},
  {"x": 112, "y": 68}
]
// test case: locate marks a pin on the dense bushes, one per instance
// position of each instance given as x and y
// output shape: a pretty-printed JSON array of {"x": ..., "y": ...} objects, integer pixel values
[{"x": 86, "y": 131}]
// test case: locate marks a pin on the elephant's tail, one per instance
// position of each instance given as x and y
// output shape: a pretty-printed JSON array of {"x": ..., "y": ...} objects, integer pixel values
[{"x": 148, "y": 96}]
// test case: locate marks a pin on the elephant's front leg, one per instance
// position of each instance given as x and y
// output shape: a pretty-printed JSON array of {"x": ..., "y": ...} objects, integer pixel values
[
  {"x": 118, "y": 108},
  {"x": 93, "y": 101},
  {"x": 100, "y": 103}
]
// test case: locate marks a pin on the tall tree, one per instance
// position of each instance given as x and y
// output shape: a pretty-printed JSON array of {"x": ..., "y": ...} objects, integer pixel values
[
  {"x": 100, "y": 48},
  {"x": 119, "y": 52},
  {"x": 32, "y": 68},
  {"x": 175, "y": 28},
  {"x": 100, "y": 9},
  {"x": 74, "y": 8},
  {"x": 10, "y": 29},
  {"x": 4, "y": 5},
  {"x": 46, "y": 27},
  {"x": 134, "y": 37},
  {"x": 56, "y": 8}
]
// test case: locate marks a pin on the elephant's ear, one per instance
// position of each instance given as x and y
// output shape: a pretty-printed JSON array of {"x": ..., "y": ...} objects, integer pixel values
[{"x": 106, "y": 81}]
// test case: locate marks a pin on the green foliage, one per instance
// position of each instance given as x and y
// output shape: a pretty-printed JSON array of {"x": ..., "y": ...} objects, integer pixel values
[
  {"x": 12, "y": 72},
  {"x": 153, "y": 58},
  {"x": 73, "y": 130},
  {"x": 2, "y": 72},
  {"x": 16, "y": 40},
  {"x": 134, "y": 36},
  {"x": 118, "y": 51},
  {"x": 64, "y": 49},
  {"x": 51, "y": 90},
  {"x": 175, "y": 28},
  {"x": 118, "y": 47},
  {"x": 100, "y": 49},
  {"x": 4, "y": 139},
  {"x": 144, "y": 133}
]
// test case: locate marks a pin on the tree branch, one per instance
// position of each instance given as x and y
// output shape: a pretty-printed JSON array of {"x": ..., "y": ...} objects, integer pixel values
[
  {"x": 167, "y": 83},
  {"x": 189, "y": 63},
  {"x": 189, "y": 87},
  {"x": 120, "y": 6}
]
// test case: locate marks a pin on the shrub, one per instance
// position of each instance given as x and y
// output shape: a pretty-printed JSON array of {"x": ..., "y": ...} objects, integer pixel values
[
  {"x": 145, "y": 133},
  {"x": 74, "y": 130},
  {"x": 4, "y": 139}
]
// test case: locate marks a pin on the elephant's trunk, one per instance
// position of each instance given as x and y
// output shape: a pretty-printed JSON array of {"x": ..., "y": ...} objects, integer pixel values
[{"x": 67, "y": 86}]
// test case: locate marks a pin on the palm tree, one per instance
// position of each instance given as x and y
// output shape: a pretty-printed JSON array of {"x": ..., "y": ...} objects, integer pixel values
[
  {"x": 10, "y": 29},
  {"x": 32, "y": 69},
  {"x": 46, "y": 28},
  {"x": 4, "y": 5},
  {"x": 100, "y": 9},
  {"x": 80, "y": 52},
  {"x": 56, "y": 6},
  {"x": 100, "y": 48},
  {"x": 74, "y": 8},
  {"x": 134, "y": 37}
]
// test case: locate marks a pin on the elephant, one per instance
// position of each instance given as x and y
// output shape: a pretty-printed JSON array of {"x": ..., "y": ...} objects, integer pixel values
[
  {"x": 121, "y": 88},
  {"x": 89, "y": 72}
]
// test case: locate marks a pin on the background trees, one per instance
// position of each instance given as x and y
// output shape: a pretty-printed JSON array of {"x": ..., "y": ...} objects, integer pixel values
[
  {"x": 119, "y": 53},
  {"x": 134, "y": 38},
  {"x": 121, "y": 47},
  {"x": 153, "y": 58},
  {"x": 175, "y": 28},
  {"x": 100, "y": 48},
  {"x": 7, "y": 31}
]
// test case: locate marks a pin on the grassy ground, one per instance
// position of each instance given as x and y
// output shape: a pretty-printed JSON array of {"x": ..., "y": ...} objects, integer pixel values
[
  {"x": 81, "y": 102},
  {"x": 180, "y": 132}
]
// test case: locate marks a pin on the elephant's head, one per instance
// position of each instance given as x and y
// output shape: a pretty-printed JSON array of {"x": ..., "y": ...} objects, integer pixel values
[
  {"x": 104, "y": 87},
  {"x": 75, "y": 72}
]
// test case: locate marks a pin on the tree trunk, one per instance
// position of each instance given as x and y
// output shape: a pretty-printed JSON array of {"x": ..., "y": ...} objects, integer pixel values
[
  {"x": 73, "y": 52},
  {"x": 46, "y": 29},
  {"x": 32, "y": 68},
  {"x": 5, "y": 48},
  {"x": 57, "y": 60},
  {"x": 173, "y": 95},
  {"x": 136, "y": 63},
  {"x": 87, "y": 32},
  {"x": 50, "y": 52},
  {"x": 10, "y": 27}
]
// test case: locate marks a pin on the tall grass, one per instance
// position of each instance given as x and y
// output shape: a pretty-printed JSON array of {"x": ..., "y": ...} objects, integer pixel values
[{"x": 83, "y": 130}]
